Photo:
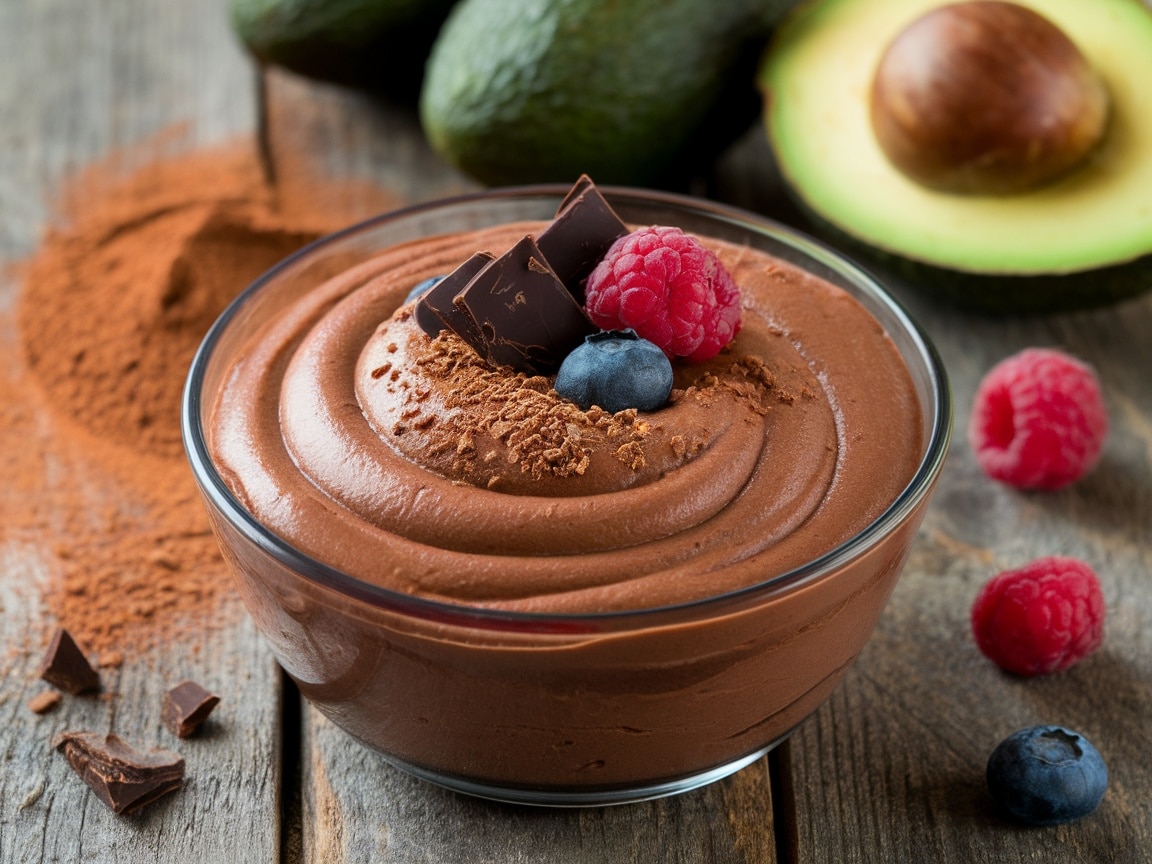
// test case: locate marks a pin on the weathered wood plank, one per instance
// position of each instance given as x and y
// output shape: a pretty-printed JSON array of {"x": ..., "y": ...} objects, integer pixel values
[{"x": 81, "y": 80}]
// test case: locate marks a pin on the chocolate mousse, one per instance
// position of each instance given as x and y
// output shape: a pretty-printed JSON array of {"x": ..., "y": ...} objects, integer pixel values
[{"x": 411, "y": 461}]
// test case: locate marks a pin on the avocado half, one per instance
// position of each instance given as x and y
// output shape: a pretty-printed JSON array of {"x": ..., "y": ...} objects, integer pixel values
[{"x": 1083, "y": 240}]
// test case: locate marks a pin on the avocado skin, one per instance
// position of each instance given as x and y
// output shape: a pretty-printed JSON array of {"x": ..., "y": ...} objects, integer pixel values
[
  {"x": 997, "y": 293},
  {"x": 635, "y": 92},
  {"x": 376, "y": 45}
]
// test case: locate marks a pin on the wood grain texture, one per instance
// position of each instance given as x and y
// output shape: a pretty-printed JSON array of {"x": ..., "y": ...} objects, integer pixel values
[
  {"x": 892, "y": 769},
  {"x": 82, "y": 80}
]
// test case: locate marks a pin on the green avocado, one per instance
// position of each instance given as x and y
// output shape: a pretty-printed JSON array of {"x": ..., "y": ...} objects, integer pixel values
[
  {"x": 523, "y": 91},
  {"x": 1082, "y": 240},
  {"x": 379, "y": 45}
]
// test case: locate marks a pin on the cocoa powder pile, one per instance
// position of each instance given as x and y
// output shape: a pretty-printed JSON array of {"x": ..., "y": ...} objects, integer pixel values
[{"x": 111, "y": 309}]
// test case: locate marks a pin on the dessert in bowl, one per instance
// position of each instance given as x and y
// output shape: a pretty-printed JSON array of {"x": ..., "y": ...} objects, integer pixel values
[{"x": 520, "y": 597}]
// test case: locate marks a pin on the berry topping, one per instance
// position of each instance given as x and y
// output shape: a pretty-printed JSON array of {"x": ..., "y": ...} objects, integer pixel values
[
  {"x": 1038, "y": 421},
  {"x": 1047, "y": 775},
  {"x": 667, "y": 287},
  {"x": 1041, "y": 618},
  {"x": 615, "y": 370}
]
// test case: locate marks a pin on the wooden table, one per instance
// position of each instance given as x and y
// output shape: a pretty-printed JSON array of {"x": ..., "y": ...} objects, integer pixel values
[{"x": 889, "y": 770}]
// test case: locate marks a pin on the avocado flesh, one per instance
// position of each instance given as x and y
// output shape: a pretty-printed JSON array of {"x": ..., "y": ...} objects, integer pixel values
[
  {"x": 522, "y": 91},
  {"x": 1034, "y": 251}
]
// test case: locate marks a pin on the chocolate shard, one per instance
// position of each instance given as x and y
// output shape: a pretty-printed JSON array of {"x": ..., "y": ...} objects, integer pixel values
[
  {"x": 435, "y": 311},
  {"x": 66, "y": 668},
  {"x": 186, "y": 706},
  {"x": 584, "y": 228},
  {"x": 124, "y": 778},
  {"x": 526, "y": 317},
  {"x": 583, "y": 184}
]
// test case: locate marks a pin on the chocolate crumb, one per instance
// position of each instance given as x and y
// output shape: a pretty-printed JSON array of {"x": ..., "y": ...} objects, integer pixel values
[
  {"x": 44, "y": 702},
  {"x": 124, "y": 778},
  {"x": 66, "y": 668},
  {"x": 632, "y": 455},
  {"x": 186, "y": 707}
]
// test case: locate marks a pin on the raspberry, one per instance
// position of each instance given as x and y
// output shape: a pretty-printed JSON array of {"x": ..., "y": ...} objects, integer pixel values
[
  {"x": 1038, "y": 421},
  {"x": 672, "y": 291},
  {"x": 1041, "y": 618}
]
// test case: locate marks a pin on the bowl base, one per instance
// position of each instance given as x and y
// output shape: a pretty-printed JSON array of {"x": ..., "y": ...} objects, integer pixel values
[{"x": 545, "y": 797}]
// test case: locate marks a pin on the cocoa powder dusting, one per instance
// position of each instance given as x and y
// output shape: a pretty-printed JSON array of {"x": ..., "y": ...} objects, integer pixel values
[
  {"x": 111, "y": 309},
  {"x": 544, "y": 434}
]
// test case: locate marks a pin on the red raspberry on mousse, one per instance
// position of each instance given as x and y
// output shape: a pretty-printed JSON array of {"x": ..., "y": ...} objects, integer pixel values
[{"x": 671, "y": 290}]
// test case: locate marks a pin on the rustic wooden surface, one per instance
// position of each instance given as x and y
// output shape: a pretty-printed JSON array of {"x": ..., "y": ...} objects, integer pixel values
[
  {"x": 79, "y": 80},
  {"x": 890, "y": 770}
]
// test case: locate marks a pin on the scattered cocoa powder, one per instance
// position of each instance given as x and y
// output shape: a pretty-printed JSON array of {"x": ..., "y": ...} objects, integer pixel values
[{"x": 111, "y": 309}]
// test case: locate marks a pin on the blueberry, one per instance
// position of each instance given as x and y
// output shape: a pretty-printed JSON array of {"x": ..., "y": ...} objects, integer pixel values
[
  {"x": 615, "y": 369},
  {"x": 420, "y": 287},
  {"x": 1047, "y": 775}
]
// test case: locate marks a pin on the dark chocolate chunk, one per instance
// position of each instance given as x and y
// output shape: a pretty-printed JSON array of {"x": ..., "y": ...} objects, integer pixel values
[
  {"x": 583, "y": 184},
  {"x": 584, "y": 228},
  {"x": 435, "y": 312},
  {"x": 66, "y": 668},
  {"x": 122, "y": 777},
  {"x": 526, "y": 317},
  {"x": 186, "y": 706}
]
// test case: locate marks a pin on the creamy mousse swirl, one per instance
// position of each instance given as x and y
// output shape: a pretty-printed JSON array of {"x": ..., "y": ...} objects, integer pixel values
[{"x": 407, "y": 462}]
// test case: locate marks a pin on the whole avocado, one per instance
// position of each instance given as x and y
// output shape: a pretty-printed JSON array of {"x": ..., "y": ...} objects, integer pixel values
[
  {"x": 523, "y": 91},
  {"x": 379, "y": 45}
]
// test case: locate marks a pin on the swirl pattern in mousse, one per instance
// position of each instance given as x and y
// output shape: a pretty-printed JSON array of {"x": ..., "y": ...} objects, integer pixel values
[{"x": 408, "y": 462}]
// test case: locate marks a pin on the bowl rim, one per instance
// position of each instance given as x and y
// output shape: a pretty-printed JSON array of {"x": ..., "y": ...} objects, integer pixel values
[{"x": 220, "y": 496}]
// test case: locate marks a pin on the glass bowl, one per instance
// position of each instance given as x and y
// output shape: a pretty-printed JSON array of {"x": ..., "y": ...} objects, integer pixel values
[{"x": 563, "y": 709}]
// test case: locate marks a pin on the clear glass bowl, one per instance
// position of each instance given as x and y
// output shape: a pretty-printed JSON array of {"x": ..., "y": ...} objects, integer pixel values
[{"x": 502, "y": 704}]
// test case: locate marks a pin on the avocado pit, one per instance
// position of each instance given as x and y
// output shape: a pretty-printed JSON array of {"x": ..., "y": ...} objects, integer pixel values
[{"x": 986, "y": 98}]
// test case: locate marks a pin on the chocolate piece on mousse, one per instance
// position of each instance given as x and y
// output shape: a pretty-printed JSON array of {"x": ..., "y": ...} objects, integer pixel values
[
  {"x": 509, "y": 309},
  {"x": 584, "y": 228},
  {"x": 434, "y": 310},
  {"x": 66, "y": 668},
  {"x": 124, "y": 778},
  {"x": 526, "y": 317},
  {"x": 186, "y": 706}
]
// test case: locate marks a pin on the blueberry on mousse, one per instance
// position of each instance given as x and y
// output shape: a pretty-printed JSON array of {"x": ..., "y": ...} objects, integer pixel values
[{"x": 616, "y": 370}]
